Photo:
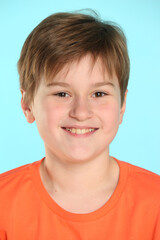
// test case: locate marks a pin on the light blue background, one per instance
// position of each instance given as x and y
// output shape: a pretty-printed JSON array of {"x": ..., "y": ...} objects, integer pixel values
[{"x": 138, "y": 139}]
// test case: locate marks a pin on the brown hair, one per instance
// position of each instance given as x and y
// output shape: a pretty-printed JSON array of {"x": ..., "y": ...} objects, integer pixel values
[{"x": 64, "y": 37}]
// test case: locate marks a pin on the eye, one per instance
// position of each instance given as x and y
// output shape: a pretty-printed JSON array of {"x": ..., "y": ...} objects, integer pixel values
[
  {"x": 100, "y": 94},
  {"x": 61, "y": 94}
]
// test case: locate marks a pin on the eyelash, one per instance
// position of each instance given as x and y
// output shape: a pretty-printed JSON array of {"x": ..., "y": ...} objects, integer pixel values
[
  {"x": 58, "y": 94},
  {"x": 61, "y": 94},
  {"x": 104, "y": 94}
]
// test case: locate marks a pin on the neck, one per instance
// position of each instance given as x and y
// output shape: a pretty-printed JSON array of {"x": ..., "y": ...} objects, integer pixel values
[{"x": 81, "y": 178}]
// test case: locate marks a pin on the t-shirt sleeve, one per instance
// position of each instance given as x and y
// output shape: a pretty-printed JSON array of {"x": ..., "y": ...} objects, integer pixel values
[
  {"x": 157, "y": 228},
  {"x": 3, "y": 235}
]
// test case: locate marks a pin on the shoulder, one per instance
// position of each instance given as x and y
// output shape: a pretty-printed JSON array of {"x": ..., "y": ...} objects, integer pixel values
[
  {"x": 142, "y": 183},
  {"x": 16, "y": 185},
  {"x": 12, "y": 179},
  {"x": 143, "y": 176},
  {"x": 17, "y": 192},
  {"x": 14, "y": 172}
]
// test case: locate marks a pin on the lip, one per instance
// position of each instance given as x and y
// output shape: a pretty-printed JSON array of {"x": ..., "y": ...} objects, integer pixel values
[
  {"x": 80, "y": 127},
  {"x": 79, "y": 135}
]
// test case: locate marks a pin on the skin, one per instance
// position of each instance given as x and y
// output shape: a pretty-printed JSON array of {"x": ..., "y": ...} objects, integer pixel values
[{"x": 78, "y": 172}]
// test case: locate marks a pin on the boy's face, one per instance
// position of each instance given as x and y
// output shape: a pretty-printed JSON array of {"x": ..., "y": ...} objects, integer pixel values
[{"x": 82, "y": 98}]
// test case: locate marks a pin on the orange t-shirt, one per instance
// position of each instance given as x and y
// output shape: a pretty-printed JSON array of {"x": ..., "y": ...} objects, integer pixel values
[{"x": 28, "y": 212}]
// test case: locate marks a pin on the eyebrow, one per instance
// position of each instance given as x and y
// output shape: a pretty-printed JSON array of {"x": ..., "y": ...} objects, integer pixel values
[{"x": 63, "y": 84}]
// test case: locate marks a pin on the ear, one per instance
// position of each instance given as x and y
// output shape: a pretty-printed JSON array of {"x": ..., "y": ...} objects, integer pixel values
[
  {"x": 123, "y": 108},
  {"x": 27, "y": 110}
]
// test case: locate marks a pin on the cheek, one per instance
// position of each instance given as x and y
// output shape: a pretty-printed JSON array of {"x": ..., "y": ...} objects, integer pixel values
[
  {"x": 110, "y": 114},
  {"x": 52, "y": 115}
]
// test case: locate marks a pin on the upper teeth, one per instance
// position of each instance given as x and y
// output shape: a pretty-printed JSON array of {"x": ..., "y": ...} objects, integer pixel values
[{"x": 80, "y": 131}]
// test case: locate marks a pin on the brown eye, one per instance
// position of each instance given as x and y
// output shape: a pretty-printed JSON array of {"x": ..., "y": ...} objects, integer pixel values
[
  {"x": 99, "y": 94},
  {"x": 61, "y": 94}
]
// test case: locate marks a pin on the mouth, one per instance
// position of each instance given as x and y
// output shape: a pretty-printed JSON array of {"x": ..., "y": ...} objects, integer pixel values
[{"x": 80, "y": 131}]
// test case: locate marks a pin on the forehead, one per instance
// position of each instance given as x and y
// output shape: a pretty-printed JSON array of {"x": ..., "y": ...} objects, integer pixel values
[{"x": 86, "y": 68}]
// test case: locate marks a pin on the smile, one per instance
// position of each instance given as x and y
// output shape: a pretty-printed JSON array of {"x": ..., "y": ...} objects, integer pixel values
[{"x": 78, "y": 131}]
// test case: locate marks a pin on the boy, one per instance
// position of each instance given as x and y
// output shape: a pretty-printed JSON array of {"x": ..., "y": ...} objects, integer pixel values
[{"x": 74, "y": 72}]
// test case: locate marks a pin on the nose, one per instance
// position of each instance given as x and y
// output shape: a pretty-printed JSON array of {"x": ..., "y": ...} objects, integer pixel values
[{"x": 81, "y": 109}]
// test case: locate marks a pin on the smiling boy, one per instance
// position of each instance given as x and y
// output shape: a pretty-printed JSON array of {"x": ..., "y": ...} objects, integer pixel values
[{"x": 74, "y": 72}]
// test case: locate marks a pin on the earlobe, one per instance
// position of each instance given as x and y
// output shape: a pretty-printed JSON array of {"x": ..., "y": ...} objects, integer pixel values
[
  {"x": 123, "y": 108},
  {"x": 27, "y": 110}
]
